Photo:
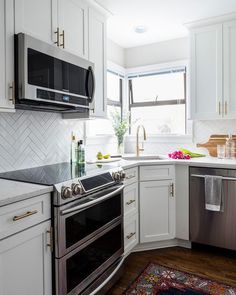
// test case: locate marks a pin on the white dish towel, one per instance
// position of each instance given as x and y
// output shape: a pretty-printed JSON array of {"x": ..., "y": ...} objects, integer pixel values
[{"x": 213, "y": 193}]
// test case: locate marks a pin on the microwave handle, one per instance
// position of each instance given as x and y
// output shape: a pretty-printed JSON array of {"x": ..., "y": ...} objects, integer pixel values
[
  {"x": 91, "y": 96},
  {"x": 92, "y": 203}
]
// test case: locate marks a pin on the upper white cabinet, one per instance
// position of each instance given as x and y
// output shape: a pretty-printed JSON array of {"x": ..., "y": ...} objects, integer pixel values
[
  {"x": 37, "y": 18},
  {"x": 73, "y": 26},
  {"x": 97, "y": 54},
  {"x": 212, "y": 71},
  {"x": 229, "y": 86},
  {"x": 6, "y": 55}
]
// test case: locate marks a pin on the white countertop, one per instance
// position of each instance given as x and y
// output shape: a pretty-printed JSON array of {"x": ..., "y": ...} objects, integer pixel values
[
  {"x": 14, "y": 191},
  {"x": 199, "y": 162}
]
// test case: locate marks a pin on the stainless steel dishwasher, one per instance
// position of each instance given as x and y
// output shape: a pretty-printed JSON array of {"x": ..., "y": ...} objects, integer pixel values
[{"x": 209, "y": 227}]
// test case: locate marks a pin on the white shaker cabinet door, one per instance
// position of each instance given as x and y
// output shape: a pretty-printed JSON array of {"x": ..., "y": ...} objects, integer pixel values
[
  {"x": 206, "y": 72},
  {"x": 73, "y": 19},
  {"x": 37, "y": 18},
  {"x": 25, "y": 262},
  {"x": 97, "y": 55},
  {"x": 6, "y": 55},
  {"x": 229, "y": 45},
  {"x": 157, "y": 211}
]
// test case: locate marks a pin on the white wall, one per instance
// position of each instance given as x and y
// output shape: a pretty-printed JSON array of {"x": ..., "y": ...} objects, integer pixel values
[
  {"x": 115, "y": 53},
  {"x": 161, "y": 52}
]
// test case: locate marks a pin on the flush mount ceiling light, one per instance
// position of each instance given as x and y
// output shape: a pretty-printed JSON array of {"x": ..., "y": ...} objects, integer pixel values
[{"x": 140, "y": 29}]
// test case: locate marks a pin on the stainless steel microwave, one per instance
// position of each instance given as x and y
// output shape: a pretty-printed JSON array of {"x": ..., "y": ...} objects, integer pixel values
[{"x": 50, "y": 79}]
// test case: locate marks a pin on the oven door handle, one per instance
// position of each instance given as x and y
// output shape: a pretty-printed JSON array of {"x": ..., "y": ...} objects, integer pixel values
[
  {"x": 109, "y": 278},
  {"x": 94, "y": 202}
]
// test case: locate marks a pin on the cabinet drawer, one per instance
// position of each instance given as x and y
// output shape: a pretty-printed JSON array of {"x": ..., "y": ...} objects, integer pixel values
[
  {"x": 156, "y": 172},
  {"x": 131, "y": 233},
  {"x": 131, "y": 175},
  {"x": 21, "y": 215},
  {"x": 131, "y": 199}
]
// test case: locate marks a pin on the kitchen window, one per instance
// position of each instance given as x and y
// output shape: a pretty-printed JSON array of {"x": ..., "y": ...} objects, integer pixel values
[
  {"x": 114, "y": 92},
  {"x": 158, "y": 101}
]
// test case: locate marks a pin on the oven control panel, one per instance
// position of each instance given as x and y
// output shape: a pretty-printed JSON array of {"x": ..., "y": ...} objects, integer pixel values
[{"x": 76, "y": 188}]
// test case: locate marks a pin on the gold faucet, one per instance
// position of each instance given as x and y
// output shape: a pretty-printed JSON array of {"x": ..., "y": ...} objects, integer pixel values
[{"x": 138, "y": 149}]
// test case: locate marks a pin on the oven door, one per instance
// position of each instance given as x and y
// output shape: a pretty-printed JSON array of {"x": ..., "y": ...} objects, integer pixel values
[
  {"x": 77, "y": 222},
  {"x": 82, "y": 266}
]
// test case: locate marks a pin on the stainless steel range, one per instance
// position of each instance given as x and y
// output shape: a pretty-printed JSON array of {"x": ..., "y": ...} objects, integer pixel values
[{"x": 87, "y": 223}]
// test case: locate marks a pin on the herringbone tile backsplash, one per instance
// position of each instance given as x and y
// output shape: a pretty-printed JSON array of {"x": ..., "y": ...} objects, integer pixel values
[{"x": 30, "y": 139}]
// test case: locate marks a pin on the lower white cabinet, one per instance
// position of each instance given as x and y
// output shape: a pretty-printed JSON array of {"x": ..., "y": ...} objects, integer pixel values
[
  {"x": 157, "y": 211},
  {"x": 25, "y": 262},
  {"x": 131, "y": 233}
]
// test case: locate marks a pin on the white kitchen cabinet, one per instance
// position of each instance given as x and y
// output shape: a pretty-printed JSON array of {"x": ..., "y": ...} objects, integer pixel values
[
  {"x": 97, "y": 55},
  {"x": 130, "y": 199},
  {"x": 73, "y": 20},
  {"x": 229, "y": 46},
  {"x": 212, "y": 70},
  {"x": 206, "y": 72},
  {"x": 131, "y": 233},
  {"x": 6, "y": 55},
  {"x": 25, "y": 262},
  {"x": 37, "y": 18},
  {"x": 182, "y": 202},
  {"x": 157, "y": 211}
]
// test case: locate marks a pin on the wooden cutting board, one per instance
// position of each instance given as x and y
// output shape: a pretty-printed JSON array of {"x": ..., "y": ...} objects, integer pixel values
[{"x": 213, "y": 141}]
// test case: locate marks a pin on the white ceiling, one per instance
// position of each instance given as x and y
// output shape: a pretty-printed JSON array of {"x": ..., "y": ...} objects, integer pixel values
[{"x": 163, "y": 18}]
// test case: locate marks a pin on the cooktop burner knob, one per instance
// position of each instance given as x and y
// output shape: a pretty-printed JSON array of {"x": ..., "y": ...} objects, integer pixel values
[
  {"x": 76, "y": 189},
  {"x": 116, "y": 176},
  {"x": 122, "y": 174},
  {"x": 66, "y": 192}
]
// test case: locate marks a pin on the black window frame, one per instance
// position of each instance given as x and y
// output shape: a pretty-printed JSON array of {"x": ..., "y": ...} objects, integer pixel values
[
  {"x": 133, "y": 104},
  {"x": 119, "y": 103}
]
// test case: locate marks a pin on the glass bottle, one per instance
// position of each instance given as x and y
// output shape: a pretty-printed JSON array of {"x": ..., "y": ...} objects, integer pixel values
[{"x": 230, "y": 148}]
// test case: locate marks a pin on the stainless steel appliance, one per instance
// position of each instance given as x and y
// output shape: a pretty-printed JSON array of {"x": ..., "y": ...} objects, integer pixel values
[
  {"x": 209, "y": 227},
  {"x": 51, "y": 79},
  {"x": 87, "y": 224}
]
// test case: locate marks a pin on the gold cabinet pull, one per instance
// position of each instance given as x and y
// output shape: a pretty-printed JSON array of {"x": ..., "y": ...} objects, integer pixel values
[
  {"x": 219, "y": 108},
  {"x": 63, "y": 39},
  {"x": 50, "y": 243},
  {"x": 58, "y": 37},
  {"x": 130, "y": 235},
  {"x": 27, "y": 214},
  {"x": 12, "y": 90},
  {"x": 172, "y": 190},
  {"x": 226, "y": 107},
  {"x": 130, "y": 202}
]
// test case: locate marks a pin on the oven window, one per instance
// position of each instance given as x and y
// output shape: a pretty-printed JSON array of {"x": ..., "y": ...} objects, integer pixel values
[
  {"x": 86, "y": 261},
  {"x": 82, "y": 224},
  {"x": 53, "y": 73}
]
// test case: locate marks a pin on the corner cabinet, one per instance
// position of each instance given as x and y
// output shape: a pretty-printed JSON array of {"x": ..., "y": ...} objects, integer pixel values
[
  {"x": 97, "y": 55},
  {"x": 212, "y": 68},
  {"x": 6, "y": 56},
  {"x": 157, "y": 203}
]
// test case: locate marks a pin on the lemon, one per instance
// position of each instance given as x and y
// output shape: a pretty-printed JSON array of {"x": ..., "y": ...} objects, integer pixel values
[
  {"x": 99, "y": 156},
  {"x": 106, "y": 156}
]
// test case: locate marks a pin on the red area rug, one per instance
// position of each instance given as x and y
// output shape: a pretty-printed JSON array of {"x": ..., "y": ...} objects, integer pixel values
[{"x": 158, "y": 279}]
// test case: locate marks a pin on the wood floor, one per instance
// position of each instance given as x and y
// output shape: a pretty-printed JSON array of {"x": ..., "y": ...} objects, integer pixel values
[{"x": 211, "y": 263}]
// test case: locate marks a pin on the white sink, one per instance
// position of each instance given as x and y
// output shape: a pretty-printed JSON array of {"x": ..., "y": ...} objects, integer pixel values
[{"x": 143, "y": 157}]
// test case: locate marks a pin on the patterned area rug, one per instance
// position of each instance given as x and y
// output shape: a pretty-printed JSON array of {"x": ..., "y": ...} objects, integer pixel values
[{"x": 158, "y": 279}]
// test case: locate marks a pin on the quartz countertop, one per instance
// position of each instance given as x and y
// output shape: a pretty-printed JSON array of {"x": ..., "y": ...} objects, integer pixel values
[{"x": 14, "y": 191}]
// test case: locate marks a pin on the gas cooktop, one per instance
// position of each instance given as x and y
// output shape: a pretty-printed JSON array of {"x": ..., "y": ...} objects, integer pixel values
[{"x": 56, "y": 173}]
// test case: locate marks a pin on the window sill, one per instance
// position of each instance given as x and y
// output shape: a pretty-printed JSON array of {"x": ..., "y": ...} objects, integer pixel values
[{"x": 175, "y": 138}]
